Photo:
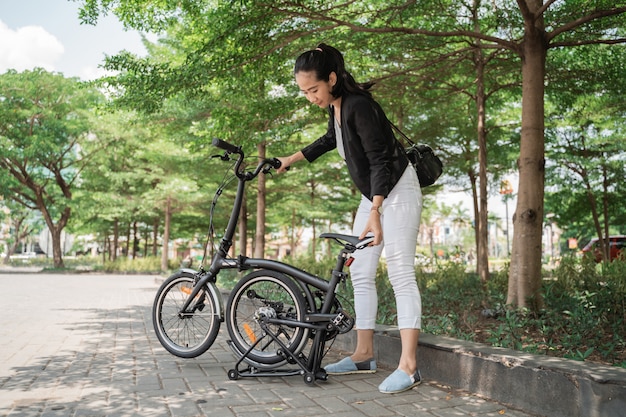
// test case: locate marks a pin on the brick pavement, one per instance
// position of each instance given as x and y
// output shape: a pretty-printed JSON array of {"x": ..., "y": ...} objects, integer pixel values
[{"x": 83, "y": 345}]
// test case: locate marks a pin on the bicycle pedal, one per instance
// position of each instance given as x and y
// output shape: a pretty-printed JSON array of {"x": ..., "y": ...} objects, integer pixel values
[{"x": 343, "y": 322}]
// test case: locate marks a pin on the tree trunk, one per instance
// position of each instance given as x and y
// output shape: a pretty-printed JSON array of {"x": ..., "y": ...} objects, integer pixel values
[
  {"x": 482, "y": 257},
  {"x": 525, "y": 272},
  {"x": 166, "y": 234},
  {"x": 259, "y": 247},
  {"x": 431, "y": 241},
  {"x": 57, "y": 251},
  {"x": 55, "y": 229},
  {"x": 606, "y": 251},
  {"x": 10, "y": 251},
  {"x": 595, "y": 215},
  {"x": 135, "y": 240},
  {"x": 313, "y": 238},
  {"x": 472, "y": 178},
  {"x": 292, "y": 238},
  {"x": 155, "y": 236},
  {"x": 128, "y": 240},
  {"x": 327, "y": 245},
  {"x": 313, "y": 185},
  {"x": 116, "y": 240},
  {"x": 19, "y": 236}
]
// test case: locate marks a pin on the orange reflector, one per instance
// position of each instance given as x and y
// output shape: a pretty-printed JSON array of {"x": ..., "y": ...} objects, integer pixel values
[
  {"x": 186, "y": 290},
  {"x": 249, "y": 332}
]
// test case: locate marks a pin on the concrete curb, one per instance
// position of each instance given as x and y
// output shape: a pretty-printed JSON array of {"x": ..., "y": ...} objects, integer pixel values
[{"x": 542, "y": 385}]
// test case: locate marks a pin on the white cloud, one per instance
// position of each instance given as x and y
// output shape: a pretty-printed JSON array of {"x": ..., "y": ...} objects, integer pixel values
[
  {"x": 28, "y": 47},
  {"x": 92, "y": 73}
]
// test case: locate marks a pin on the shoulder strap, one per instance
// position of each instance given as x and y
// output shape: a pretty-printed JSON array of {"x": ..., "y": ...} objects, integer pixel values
[{"x": 405, "y": 137}]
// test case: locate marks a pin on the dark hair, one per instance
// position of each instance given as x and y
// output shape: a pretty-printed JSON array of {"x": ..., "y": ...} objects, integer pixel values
[{"x": 325, "y": 59}]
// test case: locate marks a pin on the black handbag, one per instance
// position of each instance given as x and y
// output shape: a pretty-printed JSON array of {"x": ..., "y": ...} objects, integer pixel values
[{"x": 427, "y": 165}]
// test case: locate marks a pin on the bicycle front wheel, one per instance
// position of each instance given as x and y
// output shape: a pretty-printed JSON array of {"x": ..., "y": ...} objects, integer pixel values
[
  {"x": 266, "y": 294},
  {"x": 185, "y": 334}
]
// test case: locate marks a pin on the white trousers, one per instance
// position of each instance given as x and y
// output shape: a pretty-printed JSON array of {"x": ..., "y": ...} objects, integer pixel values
[{"x": 400, "y": 223}]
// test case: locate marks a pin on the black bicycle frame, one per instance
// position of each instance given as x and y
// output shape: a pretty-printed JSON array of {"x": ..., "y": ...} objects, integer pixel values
[
  {"x": 222, "y": 261},
  {"x": 325, "y": 321}
]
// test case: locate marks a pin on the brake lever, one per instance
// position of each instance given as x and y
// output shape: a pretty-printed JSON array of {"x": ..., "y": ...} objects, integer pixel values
[{"x": 224, "y": 157}]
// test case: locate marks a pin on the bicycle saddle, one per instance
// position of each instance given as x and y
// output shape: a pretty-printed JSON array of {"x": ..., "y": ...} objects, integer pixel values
[{"x": 349, "y": 240}]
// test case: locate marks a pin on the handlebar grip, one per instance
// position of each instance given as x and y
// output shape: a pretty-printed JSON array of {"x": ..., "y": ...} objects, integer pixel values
[
  {"x": 275, "y": 162},
  {"x": 226, "y": 146}
]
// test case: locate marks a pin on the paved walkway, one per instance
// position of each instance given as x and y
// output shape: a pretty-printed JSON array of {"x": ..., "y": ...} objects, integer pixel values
[{"x": 83, "y": 345}]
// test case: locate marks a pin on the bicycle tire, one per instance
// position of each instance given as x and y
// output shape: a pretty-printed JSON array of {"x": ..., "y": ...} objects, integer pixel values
[
  {"x": 189, "y": 335},
  {"x": 271, "y": 293}
]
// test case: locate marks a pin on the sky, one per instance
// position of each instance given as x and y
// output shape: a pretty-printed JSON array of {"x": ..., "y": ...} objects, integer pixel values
[{"x": 48, "y": 34}]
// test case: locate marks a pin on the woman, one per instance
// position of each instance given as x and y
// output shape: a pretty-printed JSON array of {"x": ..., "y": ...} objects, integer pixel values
[{"x": 390, "y": 206}]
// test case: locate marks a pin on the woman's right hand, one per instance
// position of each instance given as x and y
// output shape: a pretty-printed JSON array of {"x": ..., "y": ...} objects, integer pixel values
[
  {"x": 284, "y": 164},
  {"x": 287, "y": 161}
]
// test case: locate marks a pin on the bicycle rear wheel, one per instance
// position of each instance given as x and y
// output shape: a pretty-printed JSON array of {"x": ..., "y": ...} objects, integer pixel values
[
  {"x": 269, "y": 294},
  {"x": 187, "y": 334}
]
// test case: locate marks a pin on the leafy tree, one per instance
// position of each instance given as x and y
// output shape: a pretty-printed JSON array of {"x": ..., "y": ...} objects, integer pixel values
[
  {"x": 545, "y": 26},
  {"x": 230, "y": 99},
  {"x": 45, "y": 119},
  {"x": 262, "y": 32},
  {"x": 585, "y": 120},
  {"x": 585, "y": 145},
  {"x": 149, "y": 176},
  {"x": 112, "y": 185}
]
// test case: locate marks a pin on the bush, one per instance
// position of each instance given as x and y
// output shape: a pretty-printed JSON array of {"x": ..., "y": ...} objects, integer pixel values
[
  {"x": 146, "y": 265},
  {"x": 583, "y": 319}
]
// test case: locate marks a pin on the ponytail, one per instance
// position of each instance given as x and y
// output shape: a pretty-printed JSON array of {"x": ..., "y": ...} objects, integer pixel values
[{"x": 325, "y": 59}]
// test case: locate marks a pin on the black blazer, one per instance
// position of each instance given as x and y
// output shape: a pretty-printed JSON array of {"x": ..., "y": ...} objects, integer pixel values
[{"x": 375, "y": 159}]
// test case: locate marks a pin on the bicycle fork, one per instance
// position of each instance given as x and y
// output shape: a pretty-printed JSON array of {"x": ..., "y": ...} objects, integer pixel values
[{"x": 202, "y": 280}]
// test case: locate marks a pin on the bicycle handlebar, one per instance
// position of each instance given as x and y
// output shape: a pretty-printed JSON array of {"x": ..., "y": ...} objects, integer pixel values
[
  {"x": 226, "y": 146},
  {"x": 262, "y": 167}
]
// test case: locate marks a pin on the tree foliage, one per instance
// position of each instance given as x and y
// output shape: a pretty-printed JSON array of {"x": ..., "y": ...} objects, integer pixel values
[
  {"x": 45, "y": 134},
  {"x": 235, "y": 58},
  {"x": 585, "y": 144}
]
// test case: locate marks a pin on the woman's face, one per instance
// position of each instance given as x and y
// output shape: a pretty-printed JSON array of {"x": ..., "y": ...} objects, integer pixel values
[{"x": 316, "y": 91}]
